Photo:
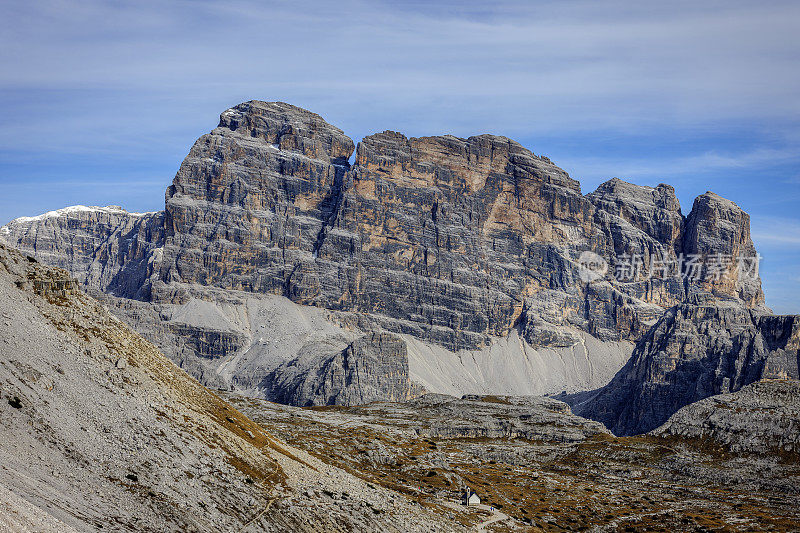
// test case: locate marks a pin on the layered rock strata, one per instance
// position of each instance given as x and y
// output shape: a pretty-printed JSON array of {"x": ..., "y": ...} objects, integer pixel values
[
  {"x": 454, "y": 242},
  {"x": 448, "y": 239}
]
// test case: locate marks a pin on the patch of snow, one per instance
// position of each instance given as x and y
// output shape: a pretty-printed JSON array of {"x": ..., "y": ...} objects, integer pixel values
[{"x": 110, "y": 209}]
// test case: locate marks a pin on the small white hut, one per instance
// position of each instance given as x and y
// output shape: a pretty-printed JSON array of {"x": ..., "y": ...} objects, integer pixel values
[{"x": 470, "y": 498}]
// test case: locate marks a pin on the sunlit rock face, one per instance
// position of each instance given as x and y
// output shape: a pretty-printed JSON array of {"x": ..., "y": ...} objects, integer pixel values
[
  {"x": 718, "y": 229},
  {"x": 441, "y": 237},
  {"x": 452, "y": 240},
  {"x": 453, "y": 234},
  {"x": 250, "y": 201}
]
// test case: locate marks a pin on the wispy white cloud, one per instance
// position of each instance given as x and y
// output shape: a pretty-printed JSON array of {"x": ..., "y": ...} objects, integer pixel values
[
  {"x": 771, "y": 232},
  {"x": 460, "y": 67},
  {"x": 746, "y": 159},
  {"x": 657, "y": 165}
]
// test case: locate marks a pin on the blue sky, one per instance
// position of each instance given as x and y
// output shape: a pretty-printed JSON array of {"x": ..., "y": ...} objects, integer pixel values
[{"x": 101, "y": 100}]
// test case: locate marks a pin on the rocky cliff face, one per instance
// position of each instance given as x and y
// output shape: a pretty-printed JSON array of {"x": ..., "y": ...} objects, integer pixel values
[
  {"x": 697, "y": 349},
  {"x": 718, "y": 228},
  {"x": 451, "y": 240},
  {"x": 452, "y": 233},
  {"x": 250, "y": 202},
  {"x": 105, "y": 248},
  {"x": 456, "y": 242}
]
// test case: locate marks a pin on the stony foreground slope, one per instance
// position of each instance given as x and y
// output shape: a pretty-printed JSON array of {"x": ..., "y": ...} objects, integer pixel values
[
  {"x": 549, "y": 470},
  {"x": 467, "y": 250},
  {"x": 99, "y": 430}
]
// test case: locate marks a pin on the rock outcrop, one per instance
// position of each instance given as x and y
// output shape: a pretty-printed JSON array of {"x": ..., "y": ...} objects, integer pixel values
[
  {"x": 761, "y": 418},
  {"x": 502, "y": 417},
  {"x": 373, "y": 368},
  {"x": 718, "y": 229},
  {"x": 697, "y": 349}
]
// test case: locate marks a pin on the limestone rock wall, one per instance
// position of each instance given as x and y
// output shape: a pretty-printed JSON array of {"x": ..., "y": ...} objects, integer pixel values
[
  {"x": 697, "y": 349},
  {"x": 248, "y": 205},
  {"x": 448, "y": 239},
  {"x": 718, "y": 228}
]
